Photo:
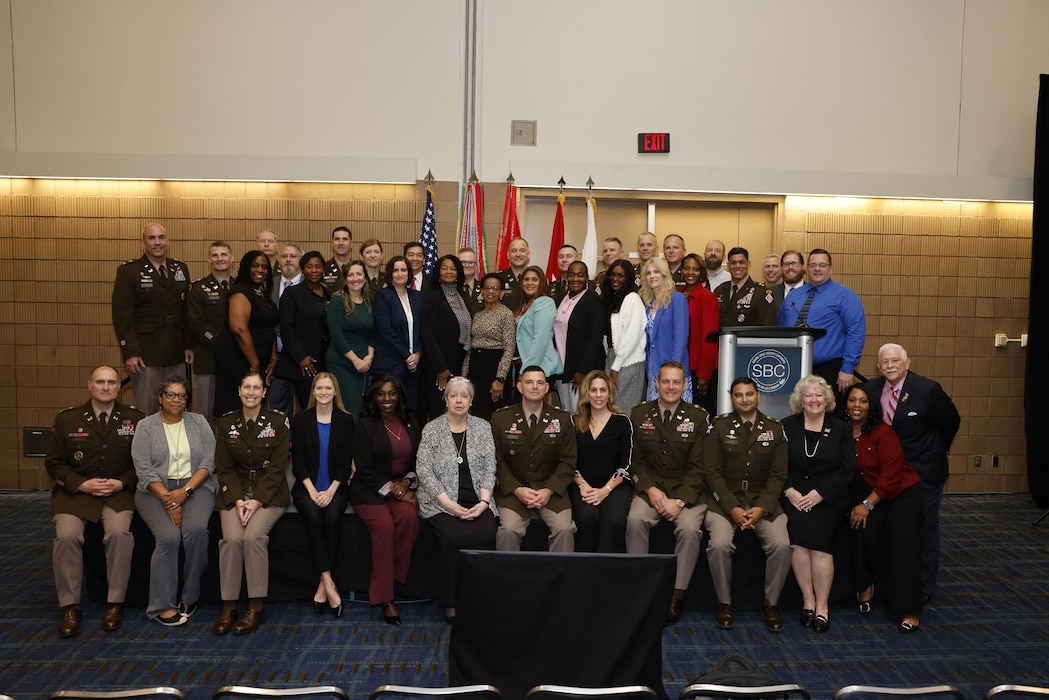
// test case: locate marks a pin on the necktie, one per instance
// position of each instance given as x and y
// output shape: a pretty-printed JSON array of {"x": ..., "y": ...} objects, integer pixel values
[
  {"x": 225, "y": 285},
  {"x": 747, "y": 426},
  {"x": 804, "y": 315},
  {"x": 103, "y": 418},
  {"x": 666, "y": 417},
  {"x": 894, "y": 400},
  {"x": 533, "y": 420},
  {"x": 412, "y": 285},
  {"x": 163, "y": 270}
]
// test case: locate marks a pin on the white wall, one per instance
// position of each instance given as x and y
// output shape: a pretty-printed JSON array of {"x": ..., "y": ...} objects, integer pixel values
[{"x": 884, "y": 97}]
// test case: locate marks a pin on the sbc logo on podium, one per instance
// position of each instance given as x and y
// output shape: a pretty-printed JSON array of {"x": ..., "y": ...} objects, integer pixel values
[{"x": 770, "y": 370}]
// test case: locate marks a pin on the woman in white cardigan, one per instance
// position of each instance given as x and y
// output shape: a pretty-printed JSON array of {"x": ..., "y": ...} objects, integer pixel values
[
  {"x": 174, "y": 455},
  {"x": 456, "y": 471},
  {"x": 624, "y": 334}
]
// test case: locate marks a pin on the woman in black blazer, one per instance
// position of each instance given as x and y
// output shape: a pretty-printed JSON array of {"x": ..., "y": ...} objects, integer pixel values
[
  {"x": 583, "y": 326},
  {"x": 321, "y": 478},
  {"x": 398, "y": 315},
  {"x": 386, "y": 440},
  {"x": 446, "y": 332},
  {"x": 304, "y": 327}
]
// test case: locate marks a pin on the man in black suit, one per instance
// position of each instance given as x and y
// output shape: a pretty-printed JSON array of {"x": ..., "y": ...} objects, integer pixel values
[{"x": 926, "y": 421}]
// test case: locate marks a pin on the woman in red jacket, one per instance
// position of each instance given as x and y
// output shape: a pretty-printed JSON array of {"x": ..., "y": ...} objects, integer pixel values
[{"x": 886, "y": 517}]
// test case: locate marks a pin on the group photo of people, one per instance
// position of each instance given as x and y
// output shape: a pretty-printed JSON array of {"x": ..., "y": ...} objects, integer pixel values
[{"x": 421, "y": 392}]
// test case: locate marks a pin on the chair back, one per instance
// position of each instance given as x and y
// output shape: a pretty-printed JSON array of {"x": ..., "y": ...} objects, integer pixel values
[
  {"x": 162, "y": 692},
  {"x": 708, "y": 691},
  {"x": 1027, "y": 691},
  {"x": 568, "y": 692},
  {"x": 461, "y": 692},
  {"x": 247, "y": 692},
  {"x": 862, "y": 692}
]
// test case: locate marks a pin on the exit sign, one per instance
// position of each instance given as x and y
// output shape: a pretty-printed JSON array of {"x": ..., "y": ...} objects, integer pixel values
[{"x": 653, "y": 143}]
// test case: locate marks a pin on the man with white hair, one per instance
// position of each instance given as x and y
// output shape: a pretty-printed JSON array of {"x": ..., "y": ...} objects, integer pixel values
[{"x": 926, "y": 421}]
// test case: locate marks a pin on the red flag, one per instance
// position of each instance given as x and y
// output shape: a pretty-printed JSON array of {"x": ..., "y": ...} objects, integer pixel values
[
  {"x": 557, "y": 239},
  {"x": 508, "y": 230}
]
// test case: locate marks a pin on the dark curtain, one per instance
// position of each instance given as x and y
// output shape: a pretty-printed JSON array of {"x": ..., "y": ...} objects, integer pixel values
[
  {"x": 1038, "y": 314},
  {"x": 526, "y": 619}
]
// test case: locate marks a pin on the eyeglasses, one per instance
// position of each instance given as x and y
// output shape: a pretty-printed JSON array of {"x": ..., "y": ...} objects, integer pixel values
[
  {"x": 792, "y": 264},
  {"x": 491, "y": 289},
  {"x": 818, "y": 266},
  {"x": 171, "y": 396}
]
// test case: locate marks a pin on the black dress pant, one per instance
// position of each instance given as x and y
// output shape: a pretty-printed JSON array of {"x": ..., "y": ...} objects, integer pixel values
[
  {"x": 601, "y": 528},
  {"x": 323, "y": 525},
  {"x": 452, "y": 535}
]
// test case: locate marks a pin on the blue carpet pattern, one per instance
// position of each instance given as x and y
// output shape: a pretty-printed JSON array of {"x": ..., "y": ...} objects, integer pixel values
[{"x": 988, "y": 625}]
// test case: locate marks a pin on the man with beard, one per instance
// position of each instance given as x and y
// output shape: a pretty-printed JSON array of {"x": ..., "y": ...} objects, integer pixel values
[
  {"x": 713, "y": 256},
  {"x": 792, "y": 269}
]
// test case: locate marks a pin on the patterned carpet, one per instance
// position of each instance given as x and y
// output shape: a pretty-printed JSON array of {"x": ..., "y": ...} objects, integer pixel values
[{"x": 987, "y": 626}]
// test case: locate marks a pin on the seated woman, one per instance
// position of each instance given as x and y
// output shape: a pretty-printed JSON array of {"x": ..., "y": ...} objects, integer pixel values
[
  {"x": 821, "y": 460},
  {"x": 493, "y": 337},
  {"x": 251, "y": 464},
  {"x": 249, "y": 340},
  {"x": 352, "y": 327},
  {"x": 601, "y": 492},
  {"x": 887, "y": 514},
  {"x": 624, "y": 334},
  {"x": 304, "y": 327},
  {"x": 322, "y": 462},
  {"x": 456, "y": 476},
  {"x": 385, "y": 442},
  {"x": 174, "y": 455}
]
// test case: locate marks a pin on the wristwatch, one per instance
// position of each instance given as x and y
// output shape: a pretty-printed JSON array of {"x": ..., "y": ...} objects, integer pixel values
[
  {"x": 189, "y": 491},
  {"x": 868, "y": 504}
]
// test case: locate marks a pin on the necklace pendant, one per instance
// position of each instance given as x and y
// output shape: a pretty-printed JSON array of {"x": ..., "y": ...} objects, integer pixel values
[{"x": 458, "y": 460}]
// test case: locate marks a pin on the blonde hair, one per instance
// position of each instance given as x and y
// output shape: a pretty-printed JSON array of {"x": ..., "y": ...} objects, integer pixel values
[
  {"x": 662, "y": 296},
  {"x": 804, "y": 384},
  {"x": 582, "y": 416},
  {"x": 334, "y": 382}
]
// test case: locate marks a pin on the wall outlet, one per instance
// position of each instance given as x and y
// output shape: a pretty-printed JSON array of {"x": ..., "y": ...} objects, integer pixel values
[{"x": 978, "y": 461}]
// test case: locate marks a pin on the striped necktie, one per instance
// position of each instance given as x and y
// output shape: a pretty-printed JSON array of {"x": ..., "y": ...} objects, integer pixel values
[
  {"x": 803, "y": 317},
  {"x": 894, "y": 401}
]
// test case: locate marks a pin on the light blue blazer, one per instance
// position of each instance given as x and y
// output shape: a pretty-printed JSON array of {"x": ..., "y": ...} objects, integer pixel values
[{"x": 535, "y": 337}]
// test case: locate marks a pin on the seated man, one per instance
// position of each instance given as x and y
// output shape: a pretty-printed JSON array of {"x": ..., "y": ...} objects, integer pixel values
[
  {"x": 535, "y": 452},
  {"x": 89, "y": 457},
  {"x": 668, "y": 477},
  {"x": 745, "y": 465}
]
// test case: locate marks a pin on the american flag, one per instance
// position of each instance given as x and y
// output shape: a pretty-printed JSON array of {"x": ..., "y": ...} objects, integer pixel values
[{"x": 428, "y": 235}]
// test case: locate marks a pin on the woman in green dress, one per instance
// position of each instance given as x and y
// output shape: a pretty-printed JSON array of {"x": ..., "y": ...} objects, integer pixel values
[{"x": 352, "y": 329}]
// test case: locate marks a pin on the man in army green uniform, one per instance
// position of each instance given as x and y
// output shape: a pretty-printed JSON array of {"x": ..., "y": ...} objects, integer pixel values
[
  {"x": 342, "y": 255},
  {"x": 668, "y": 477},
  {"x": 206, "y": 311},
  {"x": 519, "y": 254},
  {"x": 535, "y": 452},
  {"x": 742, "y": 301},
  {"x": 149, "y": 303},
  {"x": 745, "y": 465},
  {"x": 89, "y": 457}
]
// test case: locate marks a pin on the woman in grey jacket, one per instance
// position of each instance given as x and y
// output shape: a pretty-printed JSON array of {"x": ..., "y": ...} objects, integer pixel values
[
  {"x": 456, "y": 471},
  {"x": 174, "y": 455}
]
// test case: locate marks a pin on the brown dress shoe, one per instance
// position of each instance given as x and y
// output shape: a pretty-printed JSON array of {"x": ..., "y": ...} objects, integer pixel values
[
  {"x": 70, "y": 623},
  {"x": 250, "y": 622},
  {"x": 114, "y": 617},
  {"x": 772, "y": 618},
  {"x": 677, "y": 606},
  {"x": 723, "y": 615},
  {"x": 225, "y": 622}
]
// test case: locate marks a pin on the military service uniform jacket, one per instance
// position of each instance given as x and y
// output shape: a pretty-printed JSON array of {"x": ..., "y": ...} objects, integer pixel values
[
  {"x": 670, "y": 456},
  {"x": 253, "y": 462},
  {"x": 149, "y": 312},
  {"x": 754, "y": 305},
  {"x": 744, "y": 470},
  {"x": 537, "y": 459},
  {"x": 206, "y": 310},
  {"x": 81, "y": 449}
]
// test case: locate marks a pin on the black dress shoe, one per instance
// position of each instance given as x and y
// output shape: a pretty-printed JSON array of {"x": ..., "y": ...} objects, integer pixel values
[
  {"x": 70, "y": 623},
  {"x": 250, "y": 622},
  {"x": 187, "y": 609},
  {"x": 821, "y": 623},
  {"x": 336, "y": 610},
  {"x": 773, "y": 621},
  {"x": 173, "y": 620},
  {"x": 318, "y": 605},
  {"x": 723, "y": 615},
  {"x": 677, "y": 606},
  {"x": 390, "y": 614},
  {"x": 906, "y": 627},
  {"x": 807, "y": 616},
  {"x": 225, "y": 622},
  {"x": 114, "y": 617}
]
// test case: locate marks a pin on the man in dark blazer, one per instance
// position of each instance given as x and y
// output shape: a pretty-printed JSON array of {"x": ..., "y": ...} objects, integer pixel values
[
  {"x": 668, "y": 476},
  {"x": 89, "y": 457},
  {"x": 535, "y": 452},
  {"x": 926, "y": 421}
]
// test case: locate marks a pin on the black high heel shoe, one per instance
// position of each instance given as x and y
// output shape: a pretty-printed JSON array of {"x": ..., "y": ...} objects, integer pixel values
[
  {"x": 318, "y": 605},
  {"x": 865, "y": 605},
  {"x": 821, "y": 623},
  {"x": 389, "y": 614},
  {"x": 807, "y": 616},
  {"x": 336, "y": 610}
]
